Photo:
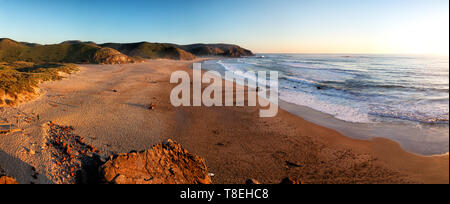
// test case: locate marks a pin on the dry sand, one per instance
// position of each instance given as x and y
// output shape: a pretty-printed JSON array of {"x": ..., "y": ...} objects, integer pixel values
[{"x": 236, "y": 143}]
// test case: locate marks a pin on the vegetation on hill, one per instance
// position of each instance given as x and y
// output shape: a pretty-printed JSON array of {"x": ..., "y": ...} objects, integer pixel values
[
  {"x": 67, "y": 52},
  {"x": 30, "y": 44},
  {"x": 225, "y": 50},
  {"x": 22, "y": 78},
  {"x": 178, "y": 52},
  {"x": 111, "y": 56},
  {"x": 151, "y": 50},
  {"x": 10, "y": 50},
  {"x": 89, "y": 52}
]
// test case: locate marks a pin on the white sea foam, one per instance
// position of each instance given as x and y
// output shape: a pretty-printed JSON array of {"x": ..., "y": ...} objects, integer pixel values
[
  {"x": 373, "y": 88},
  {"x": 341, "y": 112},
  {"x": 244, "y": 74}
]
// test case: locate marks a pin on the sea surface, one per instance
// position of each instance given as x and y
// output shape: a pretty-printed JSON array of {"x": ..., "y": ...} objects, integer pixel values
[{"x": 363, "y": 89}]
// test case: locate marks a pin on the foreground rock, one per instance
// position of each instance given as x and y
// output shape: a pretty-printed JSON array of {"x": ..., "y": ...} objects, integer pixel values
[
  {"x": 252, "y": 182},
  {"x": 75, "y": 160},
  {"x": 167, "y": 163},
  {"x": 7, "y": 180},
  {"x": 290, "y": 180}
]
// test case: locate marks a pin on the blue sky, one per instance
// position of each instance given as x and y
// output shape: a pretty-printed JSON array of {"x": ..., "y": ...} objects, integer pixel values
[{"x": 314, "y": 26}]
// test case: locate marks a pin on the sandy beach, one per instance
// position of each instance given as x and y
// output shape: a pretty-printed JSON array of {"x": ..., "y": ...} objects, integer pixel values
[{"x": 108, "y": 105}]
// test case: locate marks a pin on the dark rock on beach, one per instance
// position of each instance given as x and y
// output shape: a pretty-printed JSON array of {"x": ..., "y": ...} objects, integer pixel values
[
  {"x": 252, "y": 182},
  {"x": 7, "y": 180},
  {"x": 289, "y": 180}
]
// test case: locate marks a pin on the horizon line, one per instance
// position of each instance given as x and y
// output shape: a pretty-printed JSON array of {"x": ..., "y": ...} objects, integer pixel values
[{"x": 344, "y": 53}]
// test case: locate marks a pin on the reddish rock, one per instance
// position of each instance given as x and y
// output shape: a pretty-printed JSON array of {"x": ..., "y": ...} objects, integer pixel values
[
  {"x": 252, "y": 182},
  {"x": 166, "y": 163},
  {"x": 7, "y": 180},
  {"x": 291, "y": 181}
]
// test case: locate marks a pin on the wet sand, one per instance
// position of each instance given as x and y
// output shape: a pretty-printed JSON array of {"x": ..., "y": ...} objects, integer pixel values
[
  {"x": 236, "y": 143},
  {"x": 422, "y": 139}
]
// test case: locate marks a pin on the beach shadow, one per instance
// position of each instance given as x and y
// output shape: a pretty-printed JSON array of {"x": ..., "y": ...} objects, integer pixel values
[
  {"x": 20, "y": 170},
  {"x": 89, "y": 173}
]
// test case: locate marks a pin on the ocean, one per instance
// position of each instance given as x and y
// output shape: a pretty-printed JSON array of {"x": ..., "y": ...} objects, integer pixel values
[{"x": 358, "y": 89}]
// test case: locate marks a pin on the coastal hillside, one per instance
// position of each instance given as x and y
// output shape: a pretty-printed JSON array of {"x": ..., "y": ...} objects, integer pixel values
[
  {"x": 178, "y": 52},
  {"x": 225, "y": 50},
  {"x": 116, "y": 53},
  {"x": 73, "y": 52},
  {"x": 112, "y": 56},
  {"x": 151, "y": 50},
  {"x": 10, "y": 50}
]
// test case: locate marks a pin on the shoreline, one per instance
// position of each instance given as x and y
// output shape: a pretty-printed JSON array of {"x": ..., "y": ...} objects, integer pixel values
[
  {"x": 414, "y": 137},
  {"x": 368, "y": 131},
  {"x": 266, "y": 149}
]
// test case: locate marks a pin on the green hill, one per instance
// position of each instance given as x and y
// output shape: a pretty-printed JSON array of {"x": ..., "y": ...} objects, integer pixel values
[
  {"x": 151, "y": 50},
  {"x": 68, "y": 52},
  {"x": 178, "y": 52},
  {"x": 225, "y": 50},
  {"x": 118, "y": 53},
  {"x": 10, "y": 50},
  {"x": 108, "y": 55}
]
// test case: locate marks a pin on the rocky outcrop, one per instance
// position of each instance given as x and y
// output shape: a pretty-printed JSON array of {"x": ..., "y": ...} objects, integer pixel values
[
  {"x": 4, "y": 179},
  {"x": 166, "y": 163},
  {"x": 111, "y": 56},
  {"x": 76, "y": 161},
  {"x": 290, "y": 180},
  {"x": 252, "y": 182},
  {"x": 7, "y": 180}
]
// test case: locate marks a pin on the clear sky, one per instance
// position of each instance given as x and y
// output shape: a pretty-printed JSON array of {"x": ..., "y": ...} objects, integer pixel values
[{"x": 285, "y": 26}]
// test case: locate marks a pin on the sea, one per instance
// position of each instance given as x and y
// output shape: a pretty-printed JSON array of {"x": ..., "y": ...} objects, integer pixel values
[{"x": 365, "y": 90}]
